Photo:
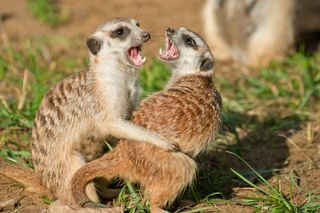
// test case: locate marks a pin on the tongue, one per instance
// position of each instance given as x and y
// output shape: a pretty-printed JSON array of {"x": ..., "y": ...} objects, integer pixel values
[
  {"x": 134, "y": 52},
  {"x": 136, "y": 57},
  {"x": 171, "y": 52}
]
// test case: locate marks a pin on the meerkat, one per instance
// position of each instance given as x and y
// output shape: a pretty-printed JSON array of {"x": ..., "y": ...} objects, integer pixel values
[
  {"x": 252, "y": 32},
  {"x": 186, "y": 112},
  {"x": 77, "y": 114}
]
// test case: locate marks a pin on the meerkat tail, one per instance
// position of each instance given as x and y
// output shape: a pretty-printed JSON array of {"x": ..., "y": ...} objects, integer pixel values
[
  {"x": 27, "y": 177},
  {"x": 107, "y": 167}
]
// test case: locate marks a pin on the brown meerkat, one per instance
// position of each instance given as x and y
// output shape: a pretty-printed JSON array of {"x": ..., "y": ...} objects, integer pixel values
[
  {"x": 252, "y": 32},
  {"x": 186, "y": 112},
  {"x": 78, "y": 113}
]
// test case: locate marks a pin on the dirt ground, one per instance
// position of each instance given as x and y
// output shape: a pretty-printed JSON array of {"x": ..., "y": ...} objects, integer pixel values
[{"x": 290, "y": 149}]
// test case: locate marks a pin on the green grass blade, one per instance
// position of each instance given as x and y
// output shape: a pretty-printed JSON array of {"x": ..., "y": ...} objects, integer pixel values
[
  {"x": 248, "y": 182},
  {"x": 264, "y": 181}
]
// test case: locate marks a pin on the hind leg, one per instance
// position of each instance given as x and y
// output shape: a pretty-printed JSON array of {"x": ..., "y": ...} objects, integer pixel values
[
  {"x": 65, "y": 170},
  {"x": 164, "y": 188},
  {"x": 163, "y": 192},
  {"x": 160, "y": 195}
]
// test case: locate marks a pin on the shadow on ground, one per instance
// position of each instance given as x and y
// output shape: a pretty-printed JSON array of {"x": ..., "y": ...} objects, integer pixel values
[{"x": 260, "y": 142}]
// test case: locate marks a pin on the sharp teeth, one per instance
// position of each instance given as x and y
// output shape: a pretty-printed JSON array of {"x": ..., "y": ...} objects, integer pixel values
[
  {"x": 144, "y": 59},
  {"x": 160, "y": 51}
]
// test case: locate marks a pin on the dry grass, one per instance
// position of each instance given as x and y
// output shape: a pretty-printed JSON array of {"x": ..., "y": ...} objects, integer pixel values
[{"x": 271, "y": 119}]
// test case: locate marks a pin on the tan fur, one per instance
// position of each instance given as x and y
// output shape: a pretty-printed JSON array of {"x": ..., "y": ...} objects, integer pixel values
[
  {"x": 253, "y": 32},
  {"x": 25, "y": 176},
  {"x": 213, "y": 32},
  {"x": 77, "y": 114},
  {"x": 58, "y": 207},
  {"x": 187, "y": 112}
]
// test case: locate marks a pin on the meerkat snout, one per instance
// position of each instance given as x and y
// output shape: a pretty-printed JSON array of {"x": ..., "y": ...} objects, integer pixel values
[
  {"x": 170, "y": 31},
  {"x": 186, "y": 51},
  {"x": 121, "y": 39},
  {"x": 146, "y": 36}
]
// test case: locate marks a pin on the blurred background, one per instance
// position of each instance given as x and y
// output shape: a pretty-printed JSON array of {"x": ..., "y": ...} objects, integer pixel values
[
  {"x": 76, "y": 20},
  {"x": 271, "y": 114}
]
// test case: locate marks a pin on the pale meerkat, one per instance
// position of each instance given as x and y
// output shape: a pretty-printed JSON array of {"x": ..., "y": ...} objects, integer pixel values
[
  {"x": 77, "y": 114},
  {"x": 187, "y": 112},
  {"x": 252, "y": 32}
]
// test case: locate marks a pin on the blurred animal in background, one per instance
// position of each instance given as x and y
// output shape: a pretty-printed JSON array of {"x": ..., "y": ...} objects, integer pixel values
[{"x": 255, "y": 32}]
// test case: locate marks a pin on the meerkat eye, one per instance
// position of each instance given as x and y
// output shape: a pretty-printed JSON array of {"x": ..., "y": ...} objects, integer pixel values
[
  {"x": 120, "y": 31},
  {"x": 138, "y": 24},
  {"x": 189, "y": 41}
]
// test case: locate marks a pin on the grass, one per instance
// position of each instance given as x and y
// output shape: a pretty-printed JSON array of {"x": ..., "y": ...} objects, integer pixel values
[
  {"x": 295, "y": 83},
  {"x": 28, "y": 67},
  {"x": 279, "y": 98},
  {"x": 272, "y": 199},
  {"x": 153, "y": 78},
  {"x": 49, "y": 12}
]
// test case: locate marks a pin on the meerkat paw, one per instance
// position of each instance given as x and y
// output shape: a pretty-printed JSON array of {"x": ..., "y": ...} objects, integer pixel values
[
  {"x": 169, "y": 146},
  {"x": 174, "y": 147}
]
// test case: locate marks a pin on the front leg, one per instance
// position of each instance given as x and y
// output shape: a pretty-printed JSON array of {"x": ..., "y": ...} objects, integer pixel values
[{"x": 123, "y": 129}]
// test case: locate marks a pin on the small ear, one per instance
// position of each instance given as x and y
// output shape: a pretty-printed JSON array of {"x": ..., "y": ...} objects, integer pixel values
[
  {"x": 206, "y": 64},
  {"x": 94, "y": 44}
]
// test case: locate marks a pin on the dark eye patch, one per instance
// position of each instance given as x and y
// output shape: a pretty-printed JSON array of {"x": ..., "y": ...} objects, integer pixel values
[
  {"x": 189, "y": 41},
  {"x": 138, "y": 24},
  {"x": 120, "y": 32}
]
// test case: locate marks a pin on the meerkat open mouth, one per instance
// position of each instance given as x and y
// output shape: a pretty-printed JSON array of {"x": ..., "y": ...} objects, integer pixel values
[
  {"x": 135, "y": 56},
  {"x": 170, "y": 53}
]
